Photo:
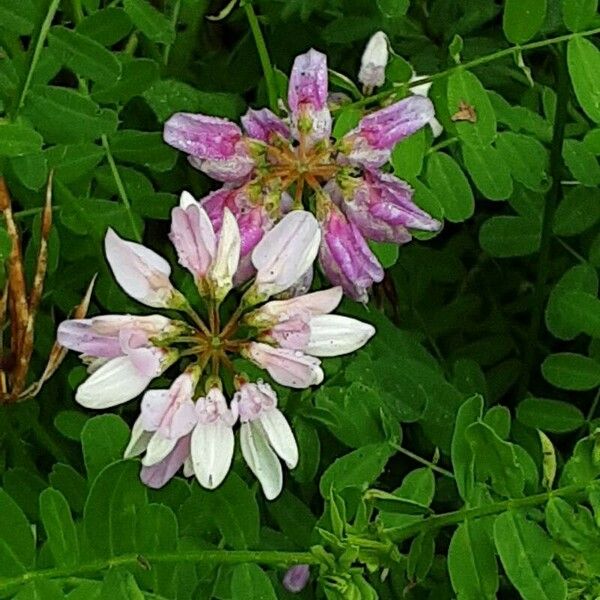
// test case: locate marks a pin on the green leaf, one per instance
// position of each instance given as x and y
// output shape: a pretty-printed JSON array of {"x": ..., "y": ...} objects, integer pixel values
[
  {"x": 149, "y": 21},
  {"x": 120, "y": 585},
  {"x": 70, "y": 423},
  {"x": 18, "y": 139},
  {"x": 19, "y": 18},
  {"x": 143, "y": 148},
  {"x": 32, "y": 170},
  {"x": 235, "y": 511},
  {"x": 472, "y": 562},
  {"x": 116, "y": 497},
  {"x": 526, "y": 158},
  {"x": 526, "y": 554},
  {"x": 139, "y": 74},
  {"x": 107, "y": 26},
  {"x": 420, "y": 556},
  {"x": 450, "y": 186},
  {"x": 249, "y": 582},
  {"x": 386, "y": 253},
  {"x": 578, "y": 211},
  {"x": 578, "y": 14},
  {"x": 507, "y": 236},
  {"x": 70, "y": 162},
  {"x": 83, "y": 55},
  {"x": 549, "y": 415},
  {"x": 346, "y": 120},
  {"x": 60, "y": 528},
  {"x": 489, "y": 171},
  {"x": 41, "y": 589},
  {"x": 169, "y": 96},
  {"x": 561, "y": 320},
  {"x": 461, "y": 452},
  {"x": 359, "y": 469},
  {"x": 465, "y": 88},
  {"x": 575, "y": 312},
  {"x": 71, "y": 484},
  {"x": 17, "y": 545},
  {"x": 74, "y": 117},
  {"x": 393, "y": 8},
  {"x": 583, "y": 59},
  {"x": 570, "y": 371},
  {"x": 408, "y": 155},
  {"x": 495, "y": 460},
  {"x": 104, "y": 439},
  {"x": 523, "y": 19},
  {"x": 581, "y": 162},
  {"x": 293, "y": 517},
  {"x": 386, "y": 502},
  {"x": 583, "y": 466}
]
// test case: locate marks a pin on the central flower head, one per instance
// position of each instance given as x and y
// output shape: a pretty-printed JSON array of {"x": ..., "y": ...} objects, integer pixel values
[
  {"x": 277, "y": 164},
  {"x": 191, "y": 423}
]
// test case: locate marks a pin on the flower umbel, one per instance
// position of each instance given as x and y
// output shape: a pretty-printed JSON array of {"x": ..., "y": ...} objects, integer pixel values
[
  {"x": 275, "y": 165},
  {"x": 191, "y": 424}
]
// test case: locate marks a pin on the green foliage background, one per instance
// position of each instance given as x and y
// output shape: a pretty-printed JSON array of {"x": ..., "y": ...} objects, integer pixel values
[{"x": 457, "y": 455}]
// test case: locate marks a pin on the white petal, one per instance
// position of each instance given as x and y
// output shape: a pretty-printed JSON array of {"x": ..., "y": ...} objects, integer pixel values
[
  {"x": 212, "y": 452},
  {"x": 138, "y": 441},
  {"x": 159, "y": 447},
  {"x": 228, "y": 255},
  {"x": 332, "y": 335},
  {"x": 286, "y": 252},
  {"x": 280, "y": 435},
  {"x": 436, "y": 127},
  {"x": 153, "y": 408},
  {"x": 115, "y": 382},
  {"x": 188, "y": 467},
  {"x": 261, "y": 459},
  {"x": 186, "y": 199}
]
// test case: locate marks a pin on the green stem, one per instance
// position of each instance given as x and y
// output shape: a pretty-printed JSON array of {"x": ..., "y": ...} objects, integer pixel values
[
  {"x": 35, "y": 56},
  {"x": 443, "y": 144},
  {"x": 482, "y": 60},
  {"x": 552, "y": 198},
  {"x": 263, "y": 54},
  {"x": 174, "y": 19},
  {"x": 121, "y": 187},
  {"x": 423, "y": 461},
  {"x": 217, "y": 557},
  {"x": 434, "y": 522},
  {"x": 77, "y": 11}
]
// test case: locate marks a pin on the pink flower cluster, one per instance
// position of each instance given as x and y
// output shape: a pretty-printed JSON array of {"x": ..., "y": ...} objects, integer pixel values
[
  {"x": 191, "y": 424},
  {"x": 267, "y": 166}
]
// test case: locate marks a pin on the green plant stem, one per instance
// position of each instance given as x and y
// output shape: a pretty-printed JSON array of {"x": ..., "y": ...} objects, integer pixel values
[
  {"x": 263, "y": 54},
  {"x": 216, "y": 557},
  {"x": 121, "y": 187},
  {"x": 477, "y": 62},
  {"x": 35, "y": 55},
  {"x": 434, "y": 522},
  {"x": 423, "y": 461},
  {"x": 552, "y": 198},
  {"x": 174, "y": 19},
  {"x": 77, "y": 11}
]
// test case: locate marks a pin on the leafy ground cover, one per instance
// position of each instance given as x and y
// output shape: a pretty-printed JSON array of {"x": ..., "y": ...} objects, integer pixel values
[{"x": 455, "y": 455}]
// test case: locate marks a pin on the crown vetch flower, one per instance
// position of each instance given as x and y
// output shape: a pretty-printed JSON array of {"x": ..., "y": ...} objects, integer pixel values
[
  {"x": 191, "y": 424},
  {"x": 273, "y": 163}
]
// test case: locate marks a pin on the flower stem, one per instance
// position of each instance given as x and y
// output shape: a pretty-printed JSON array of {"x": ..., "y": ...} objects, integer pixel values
[
  {"x": 217, "y": 557},
  {"x": 482, "y": 60},
  {"x": 552, "y": 198},
  {"x": 423, "y": 461},
  {"x": 174, "y": 19},
  {"x": 263, "y": 54},
  {"x": 35, "y": 56},
  {"x": 400, "y": 534},
  {"x": 121, "y": 188}
]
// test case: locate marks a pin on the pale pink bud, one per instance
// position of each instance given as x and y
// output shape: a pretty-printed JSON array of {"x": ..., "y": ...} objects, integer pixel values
[
  {"x": 288, "y": 367},
  {"x": 264, "y": 124},
  {"x": 142, "y": 273},
  {"x": 293, "y": 332},
  {"x": 374, "y": 60},
  {"x": 192, "y": 236},
  {"x": 307, "y": 96},
  {"x": 346, "y": 258},
  {"x": 212, "y": 439},
  {"x": 296, "y": 578},
  {"x": 285, "y": 252}
]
